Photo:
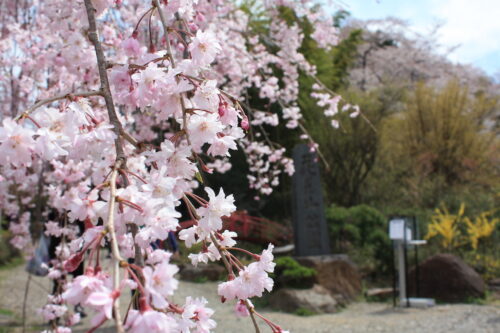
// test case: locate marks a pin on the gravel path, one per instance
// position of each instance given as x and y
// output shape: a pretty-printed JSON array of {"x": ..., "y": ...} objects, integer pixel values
[{"x": 357, "y": 317}]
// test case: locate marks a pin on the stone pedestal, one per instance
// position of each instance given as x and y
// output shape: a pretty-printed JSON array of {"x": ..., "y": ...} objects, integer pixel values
[{"x": 316, "y": 300}]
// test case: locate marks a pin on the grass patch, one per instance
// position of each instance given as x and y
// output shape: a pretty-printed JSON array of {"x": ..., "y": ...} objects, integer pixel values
[
  {"x": 6, "y": 312},
  {"x": 200, "y": 279},
  {"x": 486, "y": 300},
  {"x": 303, "y": 312},
  {"x": 16, "y": 261}
]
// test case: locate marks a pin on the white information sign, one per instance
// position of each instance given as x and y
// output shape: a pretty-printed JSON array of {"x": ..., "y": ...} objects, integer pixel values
[{"x": 396, "y": 229}]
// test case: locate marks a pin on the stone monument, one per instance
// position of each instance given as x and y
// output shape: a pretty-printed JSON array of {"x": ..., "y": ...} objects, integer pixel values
[{"x": 308, "y": 214}]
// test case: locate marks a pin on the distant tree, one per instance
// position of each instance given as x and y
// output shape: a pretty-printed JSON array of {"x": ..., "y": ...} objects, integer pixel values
[
  {"x": 438, "y": 143},
  {"x": 393, "y": 53}
]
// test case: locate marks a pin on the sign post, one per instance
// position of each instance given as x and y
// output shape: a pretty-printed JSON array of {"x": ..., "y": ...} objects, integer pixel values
[{"x": 402, "y": 232}]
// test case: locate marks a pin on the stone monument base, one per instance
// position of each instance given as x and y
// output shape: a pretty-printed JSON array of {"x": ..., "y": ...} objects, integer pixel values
[
  {"x": 316, "y": 299},
  {"x": 337, "y": 274}
]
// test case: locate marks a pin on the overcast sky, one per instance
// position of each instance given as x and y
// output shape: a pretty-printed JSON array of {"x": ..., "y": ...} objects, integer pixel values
[{"x": 472, "y": 24}]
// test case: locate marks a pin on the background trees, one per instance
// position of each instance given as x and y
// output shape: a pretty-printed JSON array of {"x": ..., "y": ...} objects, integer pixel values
[{"x": 427, "y": 134}]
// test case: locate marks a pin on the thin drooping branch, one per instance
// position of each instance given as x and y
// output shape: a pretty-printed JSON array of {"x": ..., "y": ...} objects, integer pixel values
[
  {"x": 223, "y": 252},
  {"x": 320, "y": 153},
  {"x": 110, "y": 106},
  {"x": 117, "y": 259},
  {"x": 103, "y": 76},
  {"x": 130, "y": 138},
  {"x": 25, "y": 299},
  {"x": 170, "y": 54},
  {"x": 163, "y": 20},
  {"x": 69, "y": 95},
  {"x": 251, "y": 311},
  {"x": 121, "y": 158},
  {"x": 110, "y": 224},
  {"x": 318, "y": 81}
]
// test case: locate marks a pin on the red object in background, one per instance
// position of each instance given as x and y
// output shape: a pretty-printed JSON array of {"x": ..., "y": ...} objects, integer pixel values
[{"x": 253, "y": 229}]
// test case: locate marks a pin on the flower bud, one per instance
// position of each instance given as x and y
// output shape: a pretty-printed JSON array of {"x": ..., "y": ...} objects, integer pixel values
[
  {"x": 222, "y": 110},
  {"x": 73, "y": 262},
  {"x": 193, "y": 27},
  {"x": 244, "y": 123},
  {"x": 241, "y": 309},
  {"x": 200, "y": 17},
  {"x": 143, "y": 304}
]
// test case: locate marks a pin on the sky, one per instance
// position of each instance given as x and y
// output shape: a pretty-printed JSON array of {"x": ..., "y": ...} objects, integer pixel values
[{"x": 472, "y": 25}]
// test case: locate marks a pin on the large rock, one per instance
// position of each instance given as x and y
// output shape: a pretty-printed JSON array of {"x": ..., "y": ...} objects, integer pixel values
[
  {"x": 316, "y": 299},
  {"x": 446, "y": 278},
  {"x": 210, "y": 272},
  {"x": 336, "y": 273}
]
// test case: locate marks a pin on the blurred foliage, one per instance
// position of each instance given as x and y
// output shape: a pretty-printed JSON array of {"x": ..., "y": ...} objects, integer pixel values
[
  {"x": 8, "y": 254},
  {"x": 416, "y": 146},
  {"x": 488, "y": 265},
  {"x": 289, "y": 273},
  {"x": 437, "y": 149},
  {"x": 361, "y": 231},
  {"x": 355, "y": 226}
]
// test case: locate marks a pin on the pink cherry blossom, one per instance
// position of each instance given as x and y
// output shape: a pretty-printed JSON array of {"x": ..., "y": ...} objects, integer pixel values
[
  {"x": 160, "y": 283},
  {"x": 16, "y": 143},
  {"x": 130, "y": 153},
  {"x": 204, "y": 48},
  {"x": 131, "y": 47},
  {"x": 150, "y": 321}
]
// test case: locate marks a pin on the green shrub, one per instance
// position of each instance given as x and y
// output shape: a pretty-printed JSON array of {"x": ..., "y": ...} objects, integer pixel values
[
  {"x": 289, "y": 273},
  {"x": 361, "y": 231},
  {"x": 368, "y": 220},
  {"x": 353, "y": 226}
]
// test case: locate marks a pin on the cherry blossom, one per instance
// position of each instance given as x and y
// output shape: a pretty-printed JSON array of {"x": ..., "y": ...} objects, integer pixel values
[
  {"x": 115, "y": 110},
  {"x": 160, "y": 283},
  {"x": 204, "y": 48},
  {"x": 150, "y": 321}
]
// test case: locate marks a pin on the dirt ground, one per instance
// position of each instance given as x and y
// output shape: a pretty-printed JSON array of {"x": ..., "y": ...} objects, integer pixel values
[{"x": 357, "y": 317}]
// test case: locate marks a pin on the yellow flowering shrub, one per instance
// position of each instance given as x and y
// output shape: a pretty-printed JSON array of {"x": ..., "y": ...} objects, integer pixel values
[
  {"x": 474, "y": 235},
  {"x": 446, "y": 226},
  {"x": 482, "y": 227},
  {"x": 457, "y": 230}
]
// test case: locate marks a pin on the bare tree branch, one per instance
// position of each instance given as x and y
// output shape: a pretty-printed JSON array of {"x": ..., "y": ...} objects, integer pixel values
[
  {"x": 103, "y": 76},
  {"x": 56, "y": 98},
  {"x": 117, "y": 259}
]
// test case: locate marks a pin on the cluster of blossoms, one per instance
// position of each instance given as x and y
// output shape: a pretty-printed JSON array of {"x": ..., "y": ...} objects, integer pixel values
[
  {"x": 331, "y": 104},
  {"x": 21, "y": 232},
  {"x": 120, "y": 145},
  {"x": 56, "y": 310},
  {"x": 264, "y": 173}
]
